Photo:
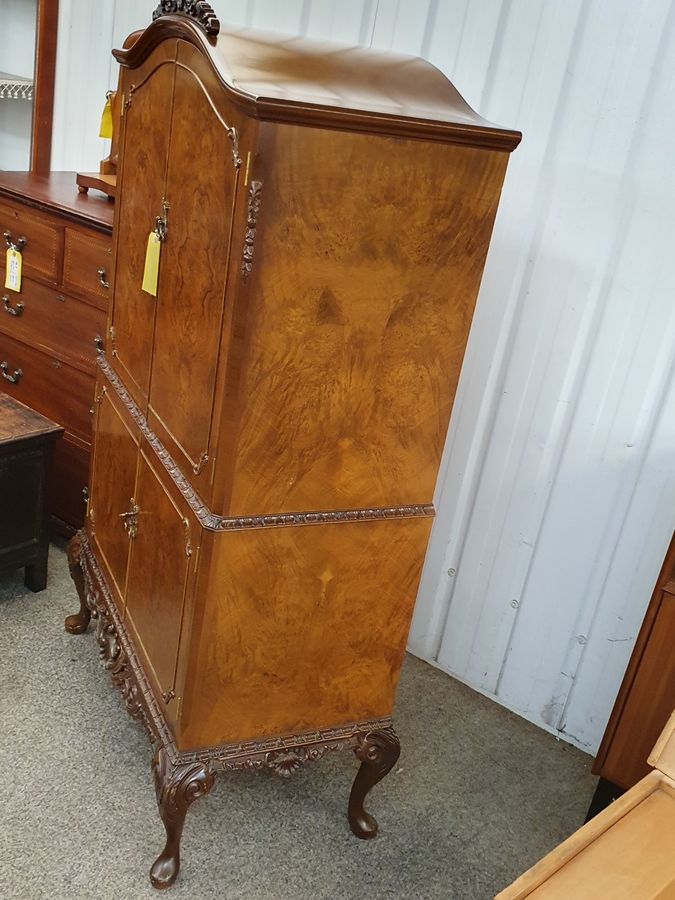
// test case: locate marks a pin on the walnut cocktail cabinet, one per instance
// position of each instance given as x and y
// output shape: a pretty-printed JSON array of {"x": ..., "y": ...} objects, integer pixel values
[{"x": 269, "y": 425}]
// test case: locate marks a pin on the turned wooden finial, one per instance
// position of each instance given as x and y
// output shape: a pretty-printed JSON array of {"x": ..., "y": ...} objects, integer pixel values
[{"x": 198, "y": 10}]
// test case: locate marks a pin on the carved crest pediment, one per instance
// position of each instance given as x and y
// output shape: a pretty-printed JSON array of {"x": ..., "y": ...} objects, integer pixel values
[{"x": 198, "y": 10}]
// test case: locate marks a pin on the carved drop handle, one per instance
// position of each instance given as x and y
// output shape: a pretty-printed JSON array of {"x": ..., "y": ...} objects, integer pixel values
[
  {"x": 18, "y": 245},
  {"x": 12, "y": 310},
  {"x": 14, "y": 377}
]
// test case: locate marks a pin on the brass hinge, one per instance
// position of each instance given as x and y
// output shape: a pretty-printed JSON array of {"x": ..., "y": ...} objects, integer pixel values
[{"x": 188, "y": 544}]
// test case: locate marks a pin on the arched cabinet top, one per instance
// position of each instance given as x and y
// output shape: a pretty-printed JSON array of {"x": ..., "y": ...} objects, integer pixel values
[{"x": 279, "y": 78}]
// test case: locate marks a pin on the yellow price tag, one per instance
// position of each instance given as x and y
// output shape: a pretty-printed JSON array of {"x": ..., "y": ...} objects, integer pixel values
[
  {"x": 106, "y": 129},
  {"x": 13, "y": 269},
  {"x": 151, "y": 269}
]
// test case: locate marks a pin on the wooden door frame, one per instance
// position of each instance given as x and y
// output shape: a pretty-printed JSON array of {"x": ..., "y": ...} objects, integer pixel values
[{"x": 46, "y": 29}]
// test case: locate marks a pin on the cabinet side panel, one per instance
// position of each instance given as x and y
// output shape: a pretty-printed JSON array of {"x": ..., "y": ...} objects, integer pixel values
[
  {"x": 368, "y": 257},
  {"x": 299, "y": 629}
]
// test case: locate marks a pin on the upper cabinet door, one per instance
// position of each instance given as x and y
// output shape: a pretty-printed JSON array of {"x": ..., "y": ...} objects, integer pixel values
[
  {"x": 147, "y": 98},
  {"x": 201, "y": 186}
]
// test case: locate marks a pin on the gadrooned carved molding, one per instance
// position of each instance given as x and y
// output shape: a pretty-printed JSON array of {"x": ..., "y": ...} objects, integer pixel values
[
  {"x": 213, "y": 522},
  {"x": 201, "y": 12},
  {"x": 193, "y": 771},
  {"x": 254, "y": 197}
]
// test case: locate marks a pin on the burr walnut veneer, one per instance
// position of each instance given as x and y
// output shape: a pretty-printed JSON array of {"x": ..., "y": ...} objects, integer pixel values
[{"x": 268, "y": 428}]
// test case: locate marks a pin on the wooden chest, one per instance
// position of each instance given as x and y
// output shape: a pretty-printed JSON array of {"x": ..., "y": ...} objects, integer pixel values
[
  {"x": 269, "y": 426},
  {"x": 26, "y": 451},
  {"x": 47, "y": 330},
  {"x": 625, "y": 853}
]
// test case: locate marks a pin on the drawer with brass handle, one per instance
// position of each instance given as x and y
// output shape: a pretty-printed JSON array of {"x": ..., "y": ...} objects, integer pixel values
[
  {"x": 86, "y": 266},
  {"x": 35, "y": 235},
  {"x": 52, "y": 322},
  {"x": 47, "y": 384},
  {"x": 14, "y": 310},
  {"x": 48, "y": 327},
  {"x": 13, "y": 377}
]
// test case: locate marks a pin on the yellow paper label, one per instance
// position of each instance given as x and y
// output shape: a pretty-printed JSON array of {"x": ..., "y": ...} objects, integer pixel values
[
  {"x": 151, "y": 269},
  {"x": 13, "y": 270},
  {"x": 106, "y": 129}
]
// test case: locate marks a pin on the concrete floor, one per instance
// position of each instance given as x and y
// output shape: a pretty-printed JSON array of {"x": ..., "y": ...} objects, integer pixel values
[{"x": 477, "y": 797}]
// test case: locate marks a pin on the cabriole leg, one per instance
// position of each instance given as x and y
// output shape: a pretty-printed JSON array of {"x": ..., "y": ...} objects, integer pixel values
[
  {"x": 77, "y": 623},
  {"x": 176, "y": 788},
  {"x": 378, "y": 752}
]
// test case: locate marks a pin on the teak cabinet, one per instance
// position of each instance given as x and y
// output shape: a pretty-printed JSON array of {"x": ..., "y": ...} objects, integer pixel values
[
  {"x": 269, "y": 426},
  {"x": 48, "y": 328}
]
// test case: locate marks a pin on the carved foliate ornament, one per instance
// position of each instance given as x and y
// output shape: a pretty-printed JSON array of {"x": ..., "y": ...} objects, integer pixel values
[
  {"x": 201, "y": 12},
  {"x": 254, "y": 195}
]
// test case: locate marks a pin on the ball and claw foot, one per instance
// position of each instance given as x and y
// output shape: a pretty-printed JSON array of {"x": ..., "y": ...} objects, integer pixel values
[
  {"x": 78, "y": 622},
  {"x": 378, "y": 752}
]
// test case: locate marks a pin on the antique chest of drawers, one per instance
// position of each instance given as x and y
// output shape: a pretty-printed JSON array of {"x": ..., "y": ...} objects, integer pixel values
[{"x": 48, "y": 328}]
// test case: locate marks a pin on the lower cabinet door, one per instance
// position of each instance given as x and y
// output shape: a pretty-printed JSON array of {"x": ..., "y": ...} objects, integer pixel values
[
  {"x": 111, "y": 493},
  {"x": 159, "y": 572}
]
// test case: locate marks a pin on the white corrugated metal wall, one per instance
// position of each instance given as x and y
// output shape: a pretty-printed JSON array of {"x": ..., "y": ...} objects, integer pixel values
[{"x": 557, "y": 494}]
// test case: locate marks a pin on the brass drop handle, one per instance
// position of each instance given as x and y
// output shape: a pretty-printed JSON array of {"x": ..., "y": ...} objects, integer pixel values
[
  {"x": 129, "y": 517},
  {"x": 12, "y": 310},
  {"x": 101, "y": 277},
  {"x": 162, "y": 222},
  {"x": 98, "y": 343},
  {"x": 18, "y": 245},
  {"x": 13, "y": 378}
]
